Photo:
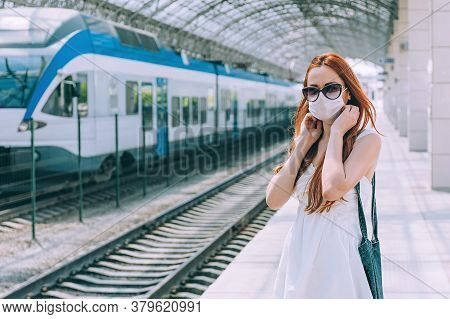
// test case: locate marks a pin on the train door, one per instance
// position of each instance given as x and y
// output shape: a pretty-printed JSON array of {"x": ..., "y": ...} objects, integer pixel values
[
  {"x": 146, "y": 98},
  {"x": 235, "y": 115},
  {"x": 162, "y": 147}
]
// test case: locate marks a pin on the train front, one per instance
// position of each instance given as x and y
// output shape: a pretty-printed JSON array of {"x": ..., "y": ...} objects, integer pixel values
[{"x": 29, "y": 39}]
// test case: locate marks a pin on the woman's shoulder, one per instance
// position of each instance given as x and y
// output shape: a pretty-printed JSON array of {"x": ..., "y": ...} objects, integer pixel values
[
  {"x": 376, "y": 139},
  {"x": 366, "y": 131}
]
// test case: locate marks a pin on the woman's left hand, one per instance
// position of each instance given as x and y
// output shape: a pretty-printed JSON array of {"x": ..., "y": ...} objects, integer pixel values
[{"x": 347, "y": 119}]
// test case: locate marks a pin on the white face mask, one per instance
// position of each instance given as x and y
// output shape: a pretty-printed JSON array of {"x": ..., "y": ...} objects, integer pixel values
[{"x": 325, "y": 109}]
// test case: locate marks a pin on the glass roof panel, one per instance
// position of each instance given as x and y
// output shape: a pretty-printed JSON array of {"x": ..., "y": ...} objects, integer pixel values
[{"x": 275, "y": 32}]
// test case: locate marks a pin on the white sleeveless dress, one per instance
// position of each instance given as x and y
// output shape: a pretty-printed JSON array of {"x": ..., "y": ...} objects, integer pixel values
[{"x": 320, "y": 256}]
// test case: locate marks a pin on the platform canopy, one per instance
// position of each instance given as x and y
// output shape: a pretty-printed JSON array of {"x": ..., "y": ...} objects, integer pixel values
[{"x": 279, "y": 37}]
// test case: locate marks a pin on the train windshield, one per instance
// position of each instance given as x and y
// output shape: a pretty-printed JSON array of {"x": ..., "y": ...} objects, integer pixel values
[{"x": 18, "y": 78}]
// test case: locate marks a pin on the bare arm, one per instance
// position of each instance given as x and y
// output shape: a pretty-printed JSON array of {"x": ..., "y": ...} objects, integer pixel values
[
  {"x": 337, "y": 177},
  {"x": 281, "y": 185}
]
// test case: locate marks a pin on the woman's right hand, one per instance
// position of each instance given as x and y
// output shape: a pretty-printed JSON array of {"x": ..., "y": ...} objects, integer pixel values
[
  {"x": 310, "y": 128},
  {"x": 281, "y": 185}
]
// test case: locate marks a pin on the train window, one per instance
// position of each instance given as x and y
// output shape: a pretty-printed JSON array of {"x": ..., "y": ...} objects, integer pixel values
[
  {"x": 271, "y": 100},
  {"x": 128, "y": 37},
  {"x": 211, "y": 99},
  {"x": 147, "y": 105},
  {"x": 75, "y": 23},
  {"x": 250, "y": 109},
  {"x": 162, "y": 104},
  {"x": 83, "y": 98},
  {"x": 97, "y": 25},
  {"x": 225, "y": 99},
  {"x": 175, "y": 111},
  {"x": 18, "y": 76},
  {"x": 235, "y": 107},
  {"x": 261, "y": 106},
  {"x": 273, "y": 114},
  {"x": 186, "y": 110},
  {"x": 137, "y": 40},
  {"x": 267, "y": 115},
  {"x": 195, "y": 110},
  {"x": 113, "y": 96},
  {"x": 148, "y": 42},
  {"x": 60, "y": 101},
  {"x": 132, "y": 102},
  {"x": 203, "y": 112},
  {"x": 256, "y": 108}
]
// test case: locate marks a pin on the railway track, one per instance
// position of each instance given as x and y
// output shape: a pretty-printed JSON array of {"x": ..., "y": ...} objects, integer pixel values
[
  {"x": 57, "y": 204},
  {"x": 176, "y": 254},
  {"x": 19, "y": 217}
]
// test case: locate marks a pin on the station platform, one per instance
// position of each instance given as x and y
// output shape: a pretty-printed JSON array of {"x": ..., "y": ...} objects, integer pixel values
[{"x": 413, "y": 227}]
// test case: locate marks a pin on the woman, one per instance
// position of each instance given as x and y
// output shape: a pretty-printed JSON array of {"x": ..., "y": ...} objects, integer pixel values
[{"x": 331, "y": 151}]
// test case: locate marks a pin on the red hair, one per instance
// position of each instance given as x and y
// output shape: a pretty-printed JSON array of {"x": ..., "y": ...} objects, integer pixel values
[{"x": 367, "y": 113}]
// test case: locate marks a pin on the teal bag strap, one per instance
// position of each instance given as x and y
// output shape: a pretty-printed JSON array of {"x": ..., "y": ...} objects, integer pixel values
[
  {"x": 362, "y": 220},
  {"x": 374, "y": 210},
  {"x": 369, "y": 250}
]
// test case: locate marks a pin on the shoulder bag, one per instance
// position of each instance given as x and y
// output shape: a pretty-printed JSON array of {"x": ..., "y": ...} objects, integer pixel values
[{"x": 369, "y": 250}]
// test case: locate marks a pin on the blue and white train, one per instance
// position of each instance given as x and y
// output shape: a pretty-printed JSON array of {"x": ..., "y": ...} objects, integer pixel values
[{"x": 44, "y": 51}]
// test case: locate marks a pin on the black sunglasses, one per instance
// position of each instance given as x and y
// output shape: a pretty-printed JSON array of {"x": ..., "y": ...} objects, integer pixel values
[{"x": 331, "y": 91}]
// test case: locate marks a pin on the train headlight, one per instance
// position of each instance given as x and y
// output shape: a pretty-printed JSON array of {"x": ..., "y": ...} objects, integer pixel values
[{"x": 24, "y": 126}]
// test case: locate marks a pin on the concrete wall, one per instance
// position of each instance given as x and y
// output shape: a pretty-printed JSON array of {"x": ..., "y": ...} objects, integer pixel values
[{"x": 417, "y": 87}]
